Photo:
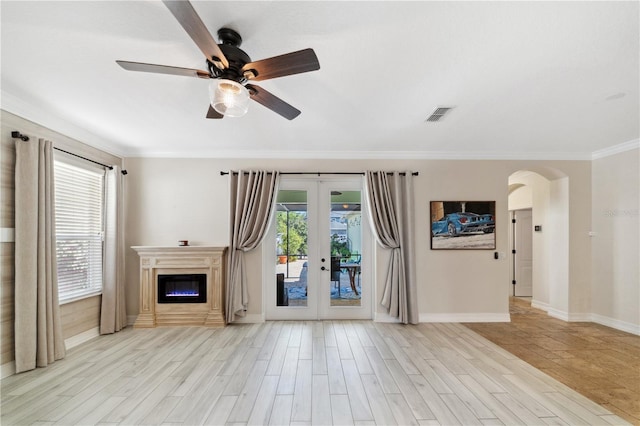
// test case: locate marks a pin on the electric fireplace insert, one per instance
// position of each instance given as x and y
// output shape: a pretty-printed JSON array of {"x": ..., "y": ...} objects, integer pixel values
[{"x": 182, "y": 288}]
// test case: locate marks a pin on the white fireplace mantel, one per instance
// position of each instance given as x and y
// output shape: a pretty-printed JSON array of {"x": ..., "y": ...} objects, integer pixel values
[{"x": 181, "y": 260}]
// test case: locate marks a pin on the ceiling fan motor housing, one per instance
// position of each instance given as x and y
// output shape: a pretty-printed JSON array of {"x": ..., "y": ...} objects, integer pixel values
[{"x": 237, "y": 58}]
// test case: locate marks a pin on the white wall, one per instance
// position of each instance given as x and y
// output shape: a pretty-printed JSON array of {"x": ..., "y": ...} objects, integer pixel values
[
  {"x": 615, "y": 245},
  {"x": 173, "y": 199},
  {"x": 521, "y": 198}
]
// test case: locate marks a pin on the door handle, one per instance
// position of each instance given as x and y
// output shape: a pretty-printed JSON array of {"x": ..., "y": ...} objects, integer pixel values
[{"x": 323, "y": 268}]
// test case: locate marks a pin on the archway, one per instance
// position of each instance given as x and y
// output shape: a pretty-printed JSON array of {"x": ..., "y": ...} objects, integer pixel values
[{"x": 546, "y": 192}]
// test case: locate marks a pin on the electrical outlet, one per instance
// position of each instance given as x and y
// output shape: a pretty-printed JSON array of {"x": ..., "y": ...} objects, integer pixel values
[{"x": 7, "y": 235}]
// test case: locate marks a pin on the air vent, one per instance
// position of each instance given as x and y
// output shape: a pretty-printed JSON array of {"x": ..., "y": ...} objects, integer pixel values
[{"x": 438, "y": 114}]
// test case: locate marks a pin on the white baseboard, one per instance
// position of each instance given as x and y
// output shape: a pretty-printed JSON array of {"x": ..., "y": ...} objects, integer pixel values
[
  {"x": 580, "y": 317},
  {"x": 539, "y": 305},
  {"x": 7, "y": 369},
  {"x": 250, "y": 319},
  {"x": 589, "y": 317},
  {"x": 557, "y": 313},
  {"x": 383, "y": 317},
  {"x": 617, "y": 324},
  {"x": 466, "y": 317},
  {"x": 563, "y": 315},
  {"x": 85, "y": 336}
]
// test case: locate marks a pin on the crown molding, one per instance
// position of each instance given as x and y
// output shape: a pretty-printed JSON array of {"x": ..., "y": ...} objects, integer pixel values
[
  {"x": 365, "y": 155},
  {"x": 616, "y": 149}
]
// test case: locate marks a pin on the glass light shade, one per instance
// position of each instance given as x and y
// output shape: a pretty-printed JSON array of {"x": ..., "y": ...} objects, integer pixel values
[{"x": 229, "y": 98}]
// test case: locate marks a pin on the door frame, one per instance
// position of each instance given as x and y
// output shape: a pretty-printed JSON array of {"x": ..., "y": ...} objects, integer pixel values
[{"x": 316, "y": 244}]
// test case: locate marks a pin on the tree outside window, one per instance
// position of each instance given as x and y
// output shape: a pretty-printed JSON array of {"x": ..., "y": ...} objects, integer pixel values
[{"x": 292, "y": 234}]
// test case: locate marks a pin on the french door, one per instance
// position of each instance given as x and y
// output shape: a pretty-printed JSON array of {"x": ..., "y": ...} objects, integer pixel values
[{"x": 317, "y": 254}]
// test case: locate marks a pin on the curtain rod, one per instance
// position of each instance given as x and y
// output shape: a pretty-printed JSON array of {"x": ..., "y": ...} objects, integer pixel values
[
  {"x": 18, "y": 135},
  {"x": 223, "y": 173}
]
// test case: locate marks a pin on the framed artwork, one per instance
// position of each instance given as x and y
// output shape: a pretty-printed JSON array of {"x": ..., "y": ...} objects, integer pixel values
[{"x": 463, "y": 225}]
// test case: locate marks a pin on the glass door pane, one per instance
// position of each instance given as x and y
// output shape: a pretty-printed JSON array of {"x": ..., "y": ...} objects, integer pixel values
[
  {"x": 345, "y": 235},
  {"x": 292, "y": 248}
]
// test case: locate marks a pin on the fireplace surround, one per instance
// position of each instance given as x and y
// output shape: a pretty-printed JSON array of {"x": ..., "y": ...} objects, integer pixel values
[{"x": 195, "y": 276}]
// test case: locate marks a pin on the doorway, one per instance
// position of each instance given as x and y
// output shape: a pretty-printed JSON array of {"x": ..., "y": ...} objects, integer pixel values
[
  {"x": 545, "y": 191},
  {"x": 320, "y": 243}
]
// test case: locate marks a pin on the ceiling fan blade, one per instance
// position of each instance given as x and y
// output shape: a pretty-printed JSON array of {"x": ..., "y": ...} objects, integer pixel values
[
  {"x": 163, "y": 69},
  {"x": 212, "y": 113},
  {"x": 193, "y": 25},
  {"x": 290, "y": 63},
  {"x": 272, "y": 102}
]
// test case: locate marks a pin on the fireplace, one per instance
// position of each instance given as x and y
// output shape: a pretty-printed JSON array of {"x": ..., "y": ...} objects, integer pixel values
[{"x": 182, "y": 288}]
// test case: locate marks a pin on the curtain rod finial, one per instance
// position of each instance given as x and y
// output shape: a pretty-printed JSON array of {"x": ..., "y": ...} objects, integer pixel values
[{"x": 18, "y": 135}]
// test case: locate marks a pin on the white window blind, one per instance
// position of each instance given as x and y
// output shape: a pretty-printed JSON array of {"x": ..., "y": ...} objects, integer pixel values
[{"x": 79, "y": 230}]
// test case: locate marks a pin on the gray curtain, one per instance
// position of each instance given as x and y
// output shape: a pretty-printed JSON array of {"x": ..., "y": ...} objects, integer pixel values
[
  {"x": 390, "y": 202},
  {"x": 113, "y": 315},
  {"x": 38, "y": 329},
  {"x": 252, "y": 203}
]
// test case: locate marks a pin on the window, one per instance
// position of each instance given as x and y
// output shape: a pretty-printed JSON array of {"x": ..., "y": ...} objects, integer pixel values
[{"x": 79, "y": 229}]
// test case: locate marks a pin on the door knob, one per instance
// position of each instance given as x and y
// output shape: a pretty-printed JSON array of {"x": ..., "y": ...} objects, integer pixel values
[
  {"x": 323, "y": 269},
  {"x": 323, "y": 259}
]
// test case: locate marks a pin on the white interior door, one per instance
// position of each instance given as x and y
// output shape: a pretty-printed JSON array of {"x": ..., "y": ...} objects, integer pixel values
[
  {"x": 317, "y": 253},
  {"x": 523, "y": 256}
]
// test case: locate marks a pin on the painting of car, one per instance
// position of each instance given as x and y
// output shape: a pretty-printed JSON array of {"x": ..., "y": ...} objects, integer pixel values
[{"x": 461, "y": 223}]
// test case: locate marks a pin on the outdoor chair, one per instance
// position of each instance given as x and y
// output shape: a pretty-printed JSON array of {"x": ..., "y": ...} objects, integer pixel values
[{"x": 335, "y": 272}]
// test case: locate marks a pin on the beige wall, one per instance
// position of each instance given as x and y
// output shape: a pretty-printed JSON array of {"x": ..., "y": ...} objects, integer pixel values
[
  {"x": 616, "y": 243},
  {"x": 173, "y": 199},
  {"x": 558, "y": 230},
  {"x": 77, "y": 317}
]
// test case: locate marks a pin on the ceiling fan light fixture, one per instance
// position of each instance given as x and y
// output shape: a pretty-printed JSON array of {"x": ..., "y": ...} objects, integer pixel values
[{"x": 229, "y": 98}]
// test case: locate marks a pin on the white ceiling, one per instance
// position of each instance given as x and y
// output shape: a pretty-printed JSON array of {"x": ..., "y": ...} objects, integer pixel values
[{"x": 527, "y": 79}]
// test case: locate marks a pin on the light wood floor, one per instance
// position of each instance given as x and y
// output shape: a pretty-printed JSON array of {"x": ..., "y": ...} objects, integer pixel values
[
  {"x": 601, "y": 363},
  {"x": 304, "y": 372}
]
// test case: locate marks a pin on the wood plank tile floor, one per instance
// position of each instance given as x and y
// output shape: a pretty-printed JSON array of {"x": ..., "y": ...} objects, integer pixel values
[
  {"x": 297, "y": 373},
  {"x": 599, "y": 362}
]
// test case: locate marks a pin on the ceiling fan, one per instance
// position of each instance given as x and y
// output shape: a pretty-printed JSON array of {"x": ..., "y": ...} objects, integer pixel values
[{"x": 231, "y": 67}]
